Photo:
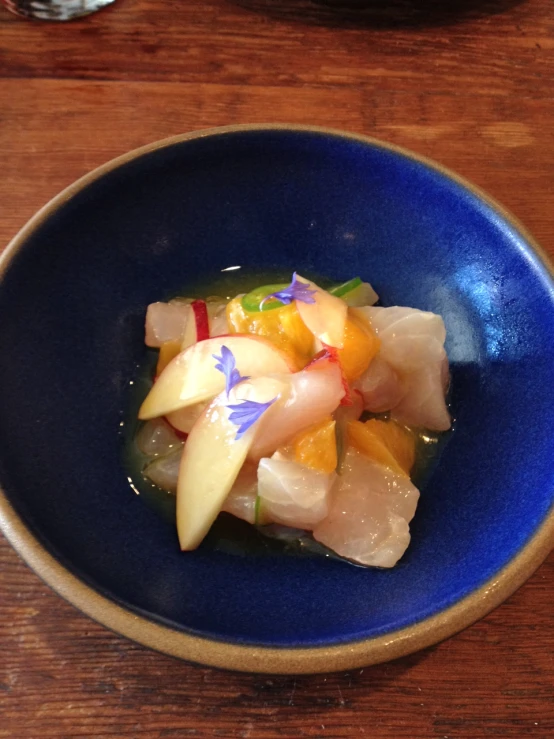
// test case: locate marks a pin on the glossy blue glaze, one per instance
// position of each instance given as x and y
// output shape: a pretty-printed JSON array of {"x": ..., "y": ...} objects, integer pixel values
[{"x": 72, "y": 307}]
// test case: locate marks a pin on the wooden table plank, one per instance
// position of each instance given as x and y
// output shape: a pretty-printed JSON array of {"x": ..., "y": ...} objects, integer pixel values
[
  {"x": 507, "y": 150},
  {"x": 64, "y": 676},
  {"x": 499, "y": 47}
]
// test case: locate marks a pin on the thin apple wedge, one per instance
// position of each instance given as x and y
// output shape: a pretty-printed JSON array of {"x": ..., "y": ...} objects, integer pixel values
[
  {"x": 325, "y": 317},
  {"x": 197, "y": 327},
  {"x": 214, "y": 455},
  {"x": 192, "y": 376}
]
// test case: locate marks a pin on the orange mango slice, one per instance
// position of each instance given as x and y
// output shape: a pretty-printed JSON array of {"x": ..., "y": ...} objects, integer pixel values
[{"x": 384, "y": 442}]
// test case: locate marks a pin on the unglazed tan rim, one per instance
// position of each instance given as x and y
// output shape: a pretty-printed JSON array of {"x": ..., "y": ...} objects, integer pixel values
[{"x": 247, "y": 658}]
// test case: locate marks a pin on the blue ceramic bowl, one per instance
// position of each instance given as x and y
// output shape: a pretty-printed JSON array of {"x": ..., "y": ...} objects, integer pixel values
[{"x": 74, "y": 286}]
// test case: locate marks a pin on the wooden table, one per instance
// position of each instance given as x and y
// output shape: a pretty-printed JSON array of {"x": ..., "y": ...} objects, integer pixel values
[{"x": 467, "y": 82}]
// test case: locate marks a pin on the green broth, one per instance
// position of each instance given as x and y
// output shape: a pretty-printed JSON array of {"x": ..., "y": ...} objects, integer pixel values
[{"x": 230, "y": 534}]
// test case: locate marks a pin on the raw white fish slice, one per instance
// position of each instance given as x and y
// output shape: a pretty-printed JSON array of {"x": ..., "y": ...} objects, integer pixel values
[
  {"x": 369, "y": 513},
  {"x": 292, "y": 494}
]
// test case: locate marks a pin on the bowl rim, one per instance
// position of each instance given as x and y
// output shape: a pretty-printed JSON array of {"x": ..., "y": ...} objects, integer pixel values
[{"x": 257, "y": 658}]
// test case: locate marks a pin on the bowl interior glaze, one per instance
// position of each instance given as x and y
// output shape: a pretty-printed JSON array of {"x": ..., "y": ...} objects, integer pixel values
[{"x": 72, "y": 301}]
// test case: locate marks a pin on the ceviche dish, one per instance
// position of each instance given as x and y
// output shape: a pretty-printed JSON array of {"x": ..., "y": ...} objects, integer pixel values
[{"x": 294, "y": 406}]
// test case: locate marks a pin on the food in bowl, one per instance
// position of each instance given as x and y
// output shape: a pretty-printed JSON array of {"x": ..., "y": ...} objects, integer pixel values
[{"x": 295, "y": 406}]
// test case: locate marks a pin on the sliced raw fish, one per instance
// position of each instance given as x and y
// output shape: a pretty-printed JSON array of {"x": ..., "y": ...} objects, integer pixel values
[
  {"x": 423, "y": 402},
  {"x": 399, "y": 319},
  {"x": 217, "y": 313},
  {"x": 164, "y": 471},
  {"x": 410, "y": 338},
  {"x": 157, "y": 438},
  {"x": 292, "y": 494},
  {"x": 311, "y": 396},
  {"x": 380, "y": 386},
  {"x": 410, "y": 373},
  {"x": 241, "y": 501},
  {"x": 369, "y": 513}
]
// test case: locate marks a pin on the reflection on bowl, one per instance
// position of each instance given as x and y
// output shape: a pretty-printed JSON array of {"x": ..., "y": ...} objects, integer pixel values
[{"x": 75, "y": 283}]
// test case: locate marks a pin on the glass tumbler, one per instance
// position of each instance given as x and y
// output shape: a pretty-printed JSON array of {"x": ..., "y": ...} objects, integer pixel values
[{"x": 55, "y": 10}]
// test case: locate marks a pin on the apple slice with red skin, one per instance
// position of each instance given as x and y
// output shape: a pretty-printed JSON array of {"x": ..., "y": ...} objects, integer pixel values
[
  {"x": 326, "y": 317},
  {"x": 201, "y": 319},
  {"x": 192, "y": 376},
  {"x": 197, "y": 327},
  {"x": 214, "y": 456}
]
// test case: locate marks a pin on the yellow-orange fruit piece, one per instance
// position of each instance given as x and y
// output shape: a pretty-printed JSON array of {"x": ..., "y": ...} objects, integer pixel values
[
  {"x": 168, "y": 351},
  {"x": 384, "y": 442},
  {"x": 282, "y": 326},
  {"x": 360, "y": 347},
  {"x": 316, "y": 447}
]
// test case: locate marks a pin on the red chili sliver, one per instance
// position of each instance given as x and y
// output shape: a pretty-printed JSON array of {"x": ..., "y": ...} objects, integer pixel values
[{"x": 201, "y": 319}]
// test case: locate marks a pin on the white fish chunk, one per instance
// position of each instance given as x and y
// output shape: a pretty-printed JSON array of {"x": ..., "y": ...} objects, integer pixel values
[
  {"x": 293, "y": 494},
  {"x": 423, "y": 402},
  {"x": 166, "y": 322},
  {"x": 241, "y": 501},
  {"x": 156, "y": 438},
  {"x": 217, "y": 315},
  {"x": 380, "y": 386},
  {"x": 410, "y": 373},
  {"x": 369, "y": 515},
  {"x": 164, "y": 471}
]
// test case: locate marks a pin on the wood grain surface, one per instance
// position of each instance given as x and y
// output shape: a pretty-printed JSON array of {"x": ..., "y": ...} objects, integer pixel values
[{"x": 468, "y": 83}]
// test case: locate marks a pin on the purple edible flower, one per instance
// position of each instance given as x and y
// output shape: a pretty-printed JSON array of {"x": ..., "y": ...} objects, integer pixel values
[
  {"x": 295, "y": 291},
  {"x": 227, "y": 365},
  {"x": 246, "y": 413}
]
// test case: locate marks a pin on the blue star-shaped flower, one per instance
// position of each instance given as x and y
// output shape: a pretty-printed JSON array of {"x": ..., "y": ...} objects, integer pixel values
[
  {"x": 295, "y": 291},
  {"x": 246, "y": 413},
  {"x": 227, "y": 365}
]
